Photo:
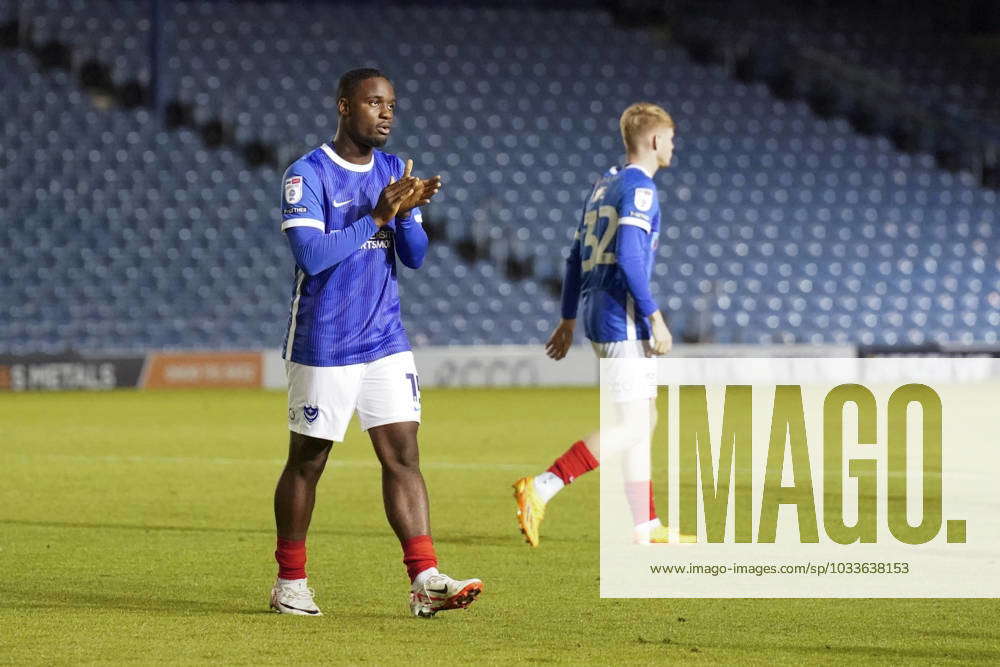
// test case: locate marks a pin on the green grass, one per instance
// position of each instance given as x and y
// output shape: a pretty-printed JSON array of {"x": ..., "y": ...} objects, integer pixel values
[{"x": 137, "y": 526}]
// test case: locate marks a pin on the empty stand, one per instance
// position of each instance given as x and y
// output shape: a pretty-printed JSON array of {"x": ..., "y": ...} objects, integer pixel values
[{"x": 778, "y": 226}]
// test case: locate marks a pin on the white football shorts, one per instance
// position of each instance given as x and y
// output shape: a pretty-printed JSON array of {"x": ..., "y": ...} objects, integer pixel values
[
  {"x": 322, "y": 399},
  {"x": 632, "y": 373}
]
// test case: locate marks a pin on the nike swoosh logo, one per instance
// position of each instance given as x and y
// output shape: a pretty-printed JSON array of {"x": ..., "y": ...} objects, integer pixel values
[
  {"x": 438, "y": 591},
  {"x": 308, "y": 611},
  {"x": 338, "y": 204}
]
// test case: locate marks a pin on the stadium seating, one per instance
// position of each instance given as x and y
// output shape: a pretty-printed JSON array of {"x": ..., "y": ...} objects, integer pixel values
[
  {"x": 923, "y": 55},
  {"x": 778, "y": 226}
]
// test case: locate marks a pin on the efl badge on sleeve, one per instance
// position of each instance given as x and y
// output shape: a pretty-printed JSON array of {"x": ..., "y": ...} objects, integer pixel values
[
  {"x": 293, "y": 189},
  {"x": 643, "y": 199}
]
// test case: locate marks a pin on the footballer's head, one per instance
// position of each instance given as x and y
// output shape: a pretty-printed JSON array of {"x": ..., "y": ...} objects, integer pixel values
[
  {"x": 648, "y": 128},
  {"x": 366, "y": 102}
]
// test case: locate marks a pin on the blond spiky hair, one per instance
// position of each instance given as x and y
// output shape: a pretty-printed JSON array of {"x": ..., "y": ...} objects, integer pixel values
[{"x": 639, "y": 119}]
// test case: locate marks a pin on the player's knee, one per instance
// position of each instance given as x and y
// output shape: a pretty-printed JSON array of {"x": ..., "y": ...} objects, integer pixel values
[
  {"x": 405, "y": 459},
  {"x": 405, "y": 463},
  {"x": 312, "y": 468},
  {"x": 307, "y": 456},
  {"x": 308, "y": 469}
]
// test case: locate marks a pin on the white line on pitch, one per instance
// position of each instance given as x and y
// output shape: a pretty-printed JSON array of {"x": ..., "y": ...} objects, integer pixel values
[
  {"x": 426, "y": 465},
  {"x": 441, "y": 465}
]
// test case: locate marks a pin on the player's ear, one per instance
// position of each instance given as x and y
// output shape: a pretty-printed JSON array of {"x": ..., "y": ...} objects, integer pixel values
[{"x": 343, "y": 106}]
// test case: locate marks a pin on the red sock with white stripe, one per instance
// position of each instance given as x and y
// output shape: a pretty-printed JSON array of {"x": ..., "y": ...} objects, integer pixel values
[
  {"x": 291, "y": 557},
  {"x": 640, "y": 501},
  {"x": 575, "y": 461}
]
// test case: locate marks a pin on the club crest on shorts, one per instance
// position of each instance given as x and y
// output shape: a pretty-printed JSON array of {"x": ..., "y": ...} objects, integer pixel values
[
  {"x": 293, "y": 189},
  {"x": 310, "y": 412},
  {"x": 643, "y": 199}
]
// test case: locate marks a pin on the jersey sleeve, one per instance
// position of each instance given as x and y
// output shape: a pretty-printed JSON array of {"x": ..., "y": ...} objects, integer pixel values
[
  {"x": 572, "y": 278},
  {"x": 301, "y": 203},
  {"x": 637, "y": 208},
  {"x": 632, "y": 245},
  {"x": 637, "y": 205}
]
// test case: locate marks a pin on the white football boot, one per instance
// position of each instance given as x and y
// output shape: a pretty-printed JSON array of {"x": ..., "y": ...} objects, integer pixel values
[
  {"x": 439, "y": 592},
  {"x": 654, "y": 532},
  {"x": 292, "y": 596}
]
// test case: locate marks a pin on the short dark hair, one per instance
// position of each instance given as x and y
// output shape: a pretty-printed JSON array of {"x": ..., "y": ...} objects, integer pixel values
[{"x": 350, "y": 80}]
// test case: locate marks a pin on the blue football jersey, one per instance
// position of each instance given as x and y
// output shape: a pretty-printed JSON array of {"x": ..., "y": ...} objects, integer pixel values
[
  {"x": 620, "y": 197},
  {"x": 349, "y": 313}
]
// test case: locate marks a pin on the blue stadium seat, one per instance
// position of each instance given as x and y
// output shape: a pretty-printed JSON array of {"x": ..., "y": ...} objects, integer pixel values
[{"x": 778, "y": 226}]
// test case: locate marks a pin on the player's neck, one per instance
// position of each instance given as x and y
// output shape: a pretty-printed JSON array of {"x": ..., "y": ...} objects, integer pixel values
[
  {"x": 648, "y": 164},
  {"x": 351, "y": 150}
]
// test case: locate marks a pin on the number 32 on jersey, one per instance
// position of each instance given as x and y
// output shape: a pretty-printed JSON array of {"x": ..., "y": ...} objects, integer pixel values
[{"x": 599, "y": 253}]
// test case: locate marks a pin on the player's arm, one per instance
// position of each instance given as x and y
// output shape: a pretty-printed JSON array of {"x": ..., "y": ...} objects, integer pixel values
[
  {"x": 631, "y": 244},
  {"x": 562, "y": 338},
  {"x": 411, "y": 238},
  {"x": 302, "y": 213}
]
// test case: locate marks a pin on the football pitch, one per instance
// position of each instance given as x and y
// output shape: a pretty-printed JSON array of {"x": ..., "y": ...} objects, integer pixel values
[{"x": 137, "y": 527}]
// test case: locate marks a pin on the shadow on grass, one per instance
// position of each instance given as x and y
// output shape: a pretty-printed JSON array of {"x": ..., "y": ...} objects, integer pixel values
[
  {"x": 129, "y": 526},
  {"x": 992, "y": 637},
  {"x": 513, "y": 538},
  {"x": 460, "y": 539},
  {"x": 64, "y": 599},
  {"x": 393, "y": 616},
  {"x": 85, "y": 525},
  {"x": 134, "y": 602}
]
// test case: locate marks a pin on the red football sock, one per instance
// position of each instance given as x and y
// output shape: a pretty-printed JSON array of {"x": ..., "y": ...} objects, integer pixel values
[
  {"x": 418, "y": 555},
  {"x": 291, "y": 557},
  {"x": 576, "y": 461},
  {"x": 640, "y": 500}
]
